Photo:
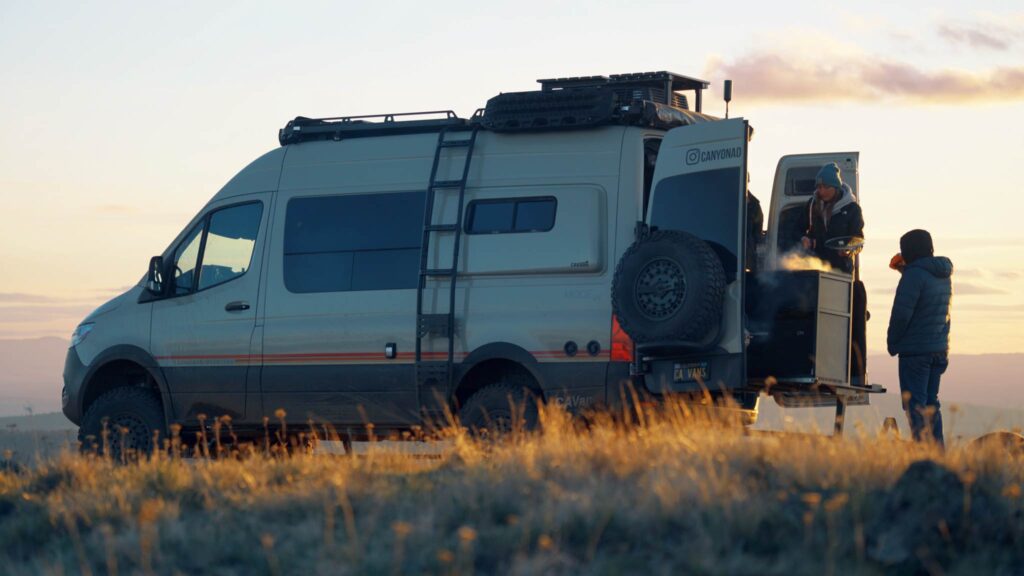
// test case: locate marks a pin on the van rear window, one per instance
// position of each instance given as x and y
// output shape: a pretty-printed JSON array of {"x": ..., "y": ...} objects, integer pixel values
[
  {"x": 511, "y": 215},
  {"x": 353, "y": 242},
  {"x": 801, "y": 181}
]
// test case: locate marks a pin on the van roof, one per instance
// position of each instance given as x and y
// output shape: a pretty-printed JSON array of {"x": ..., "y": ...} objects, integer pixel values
[{"x": 648, "y": 99}]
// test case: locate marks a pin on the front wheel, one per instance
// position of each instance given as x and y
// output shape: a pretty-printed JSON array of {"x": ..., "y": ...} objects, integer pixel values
[{"x": 123, "y": 423}]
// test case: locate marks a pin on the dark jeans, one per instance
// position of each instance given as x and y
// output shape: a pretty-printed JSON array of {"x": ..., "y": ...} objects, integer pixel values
[
  {"x": 858, "y": 336},
  {"x": 919, "y": 384}
]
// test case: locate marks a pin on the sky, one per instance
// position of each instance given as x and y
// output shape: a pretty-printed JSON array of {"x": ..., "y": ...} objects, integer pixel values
[{"x": 121, "y": 119}]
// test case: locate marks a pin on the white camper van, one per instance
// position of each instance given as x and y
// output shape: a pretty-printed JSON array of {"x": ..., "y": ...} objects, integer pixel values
[{"x": 560, "y": 245}]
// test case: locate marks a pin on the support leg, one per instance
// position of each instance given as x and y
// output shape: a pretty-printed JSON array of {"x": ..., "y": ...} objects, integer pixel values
[{"x": 840, "y": 415}]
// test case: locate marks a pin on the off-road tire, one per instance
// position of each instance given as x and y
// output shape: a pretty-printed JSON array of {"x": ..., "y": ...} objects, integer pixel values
[
  {"x": 135, "y": 409},
  {"x": 488, "y": 412},
  {"x": 691, "y": 281}
]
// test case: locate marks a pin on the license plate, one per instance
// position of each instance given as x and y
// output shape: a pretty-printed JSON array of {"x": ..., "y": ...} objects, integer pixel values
[{"x": 692, "y": 372}]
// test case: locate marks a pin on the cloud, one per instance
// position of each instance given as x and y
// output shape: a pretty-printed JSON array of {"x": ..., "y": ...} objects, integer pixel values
[
  {"x": 116, "y": 209},
  {"x": 971, "y": 289},
  {"x": 976, "y": 35},
  {"x": 1002, "y": 311},
  {"x": 42, "y": 314},
  {"x": 970, "y": 273},
  {"x": 23, "y": 298},
  {"x": 822, "y": 75},
  {"x": 114, "y": 291},
  {"x": 962, "y": 273}
]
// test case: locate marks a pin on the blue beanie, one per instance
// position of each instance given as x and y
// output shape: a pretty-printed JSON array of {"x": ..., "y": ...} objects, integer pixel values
[{"x": 829, "y": 176}]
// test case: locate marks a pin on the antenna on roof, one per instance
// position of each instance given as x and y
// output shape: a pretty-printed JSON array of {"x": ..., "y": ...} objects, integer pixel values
[{"x": 728, "y": 96}]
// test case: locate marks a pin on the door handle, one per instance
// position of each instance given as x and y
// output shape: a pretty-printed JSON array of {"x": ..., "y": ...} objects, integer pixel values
[{"x": 236, "y": 306}]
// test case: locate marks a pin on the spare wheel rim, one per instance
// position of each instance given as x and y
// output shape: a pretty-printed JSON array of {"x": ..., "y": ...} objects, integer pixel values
[{"x": 660, "y": 289}]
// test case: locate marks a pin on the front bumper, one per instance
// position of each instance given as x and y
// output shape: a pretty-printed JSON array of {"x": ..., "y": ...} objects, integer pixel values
[{"x": 74, "y": 378}]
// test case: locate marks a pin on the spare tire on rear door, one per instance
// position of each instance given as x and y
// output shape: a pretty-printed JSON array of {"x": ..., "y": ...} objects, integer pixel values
[{"x": 669, "y": 287}]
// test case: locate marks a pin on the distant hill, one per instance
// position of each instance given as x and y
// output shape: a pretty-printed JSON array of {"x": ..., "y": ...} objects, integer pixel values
[
  {"x": 960, "y": 420},
  {"x": 982, "y": 380},
  {"x": 48, "y": 422},
  {"x": 31, "y": 374}
]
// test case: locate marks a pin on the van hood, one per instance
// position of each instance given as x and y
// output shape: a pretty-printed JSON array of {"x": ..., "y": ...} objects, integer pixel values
[{"x": 110, "y": 305}]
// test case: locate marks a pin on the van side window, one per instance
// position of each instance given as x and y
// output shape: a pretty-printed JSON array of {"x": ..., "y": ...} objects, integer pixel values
[
  {"x": 219, "y": 248},
  {"x": 510, "y": 215},
  {"x": 186, "y": 256},
  {"x": 353, "y": 242},
  {"x": 230, "y": 240}
]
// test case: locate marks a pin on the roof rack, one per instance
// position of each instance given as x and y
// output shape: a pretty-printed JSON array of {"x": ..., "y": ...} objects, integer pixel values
[
  {"x": 303, "y": 129},
  {"x": 660, "y": 87},
  {"x": 639, "y": 99},
  {"x": 649, "y": 99}
]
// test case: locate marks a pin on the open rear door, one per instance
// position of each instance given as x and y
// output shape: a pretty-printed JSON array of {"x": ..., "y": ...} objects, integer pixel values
[
  {"x": 699, "y": 186},
  {"x": 793, "y": 187}
]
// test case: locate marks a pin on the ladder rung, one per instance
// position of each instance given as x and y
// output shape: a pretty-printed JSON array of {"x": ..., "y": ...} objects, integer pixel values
[
  {"x": 447, "y": 184},
  {"x": 438, "y": 272},
  {"x": 455, "y": 143},
  {"x": 442, "y": 228}
]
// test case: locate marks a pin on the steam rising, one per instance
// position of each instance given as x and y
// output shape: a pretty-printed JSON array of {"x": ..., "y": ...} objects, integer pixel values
[{"x": 797, "y": 259}]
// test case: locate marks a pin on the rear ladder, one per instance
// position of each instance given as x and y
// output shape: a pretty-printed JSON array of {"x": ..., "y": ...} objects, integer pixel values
[{"x": 439, "y": 373}]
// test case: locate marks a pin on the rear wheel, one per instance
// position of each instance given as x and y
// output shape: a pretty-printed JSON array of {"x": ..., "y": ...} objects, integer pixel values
[
  {"x": 124, "y": 423},
  {"x": 502, "y": 407}
]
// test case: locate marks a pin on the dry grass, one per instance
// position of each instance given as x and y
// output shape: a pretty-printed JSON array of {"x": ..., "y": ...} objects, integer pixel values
[{"x": 676, "y": 493}]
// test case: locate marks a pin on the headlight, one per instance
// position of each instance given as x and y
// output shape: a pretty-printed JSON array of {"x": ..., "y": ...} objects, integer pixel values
[{"x": 80, "y": 333}]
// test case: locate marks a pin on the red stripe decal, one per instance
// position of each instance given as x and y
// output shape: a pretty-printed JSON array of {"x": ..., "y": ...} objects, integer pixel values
[{"x": 314, "y": 356}]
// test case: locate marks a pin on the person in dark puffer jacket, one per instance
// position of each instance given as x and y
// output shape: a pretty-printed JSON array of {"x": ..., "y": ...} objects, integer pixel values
[{"x": 919, "y": 331}]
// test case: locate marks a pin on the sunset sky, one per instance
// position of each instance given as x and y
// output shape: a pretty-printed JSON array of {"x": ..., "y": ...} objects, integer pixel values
[{"x": 120, "y": 120}]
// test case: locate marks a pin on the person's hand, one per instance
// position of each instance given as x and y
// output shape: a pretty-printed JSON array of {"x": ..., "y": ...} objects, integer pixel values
[
  {"x": 897, "y": 262},
  {"x": 807, "y": 243}
]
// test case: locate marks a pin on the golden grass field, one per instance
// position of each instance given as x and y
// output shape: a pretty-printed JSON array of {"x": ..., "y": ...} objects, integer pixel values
[{"x": 671, "y": 492}]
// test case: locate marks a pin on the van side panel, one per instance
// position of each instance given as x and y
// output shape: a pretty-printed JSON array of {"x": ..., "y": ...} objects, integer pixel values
[{"x": 546, "y": 292}]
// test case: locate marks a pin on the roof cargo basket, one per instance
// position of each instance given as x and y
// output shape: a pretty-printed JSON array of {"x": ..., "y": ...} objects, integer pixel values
[
  {"x": 303, "y": 129},
  {"x": 645, "y": 98},
  {"x": 659, "y": 87},
  {"x": 541, "y": 110}
]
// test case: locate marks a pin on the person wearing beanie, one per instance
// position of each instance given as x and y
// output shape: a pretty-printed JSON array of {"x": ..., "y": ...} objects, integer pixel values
[
  {"x": 919, "y": 331},
  {"x": 833, "y": 212}
]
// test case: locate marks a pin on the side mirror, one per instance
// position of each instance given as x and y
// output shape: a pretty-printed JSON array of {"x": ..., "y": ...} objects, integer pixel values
[{"x": 155, "y": 281}]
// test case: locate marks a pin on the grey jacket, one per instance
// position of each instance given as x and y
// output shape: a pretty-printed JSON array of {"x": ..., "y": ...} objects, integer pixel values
[{"x": 920, "y": 313}]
